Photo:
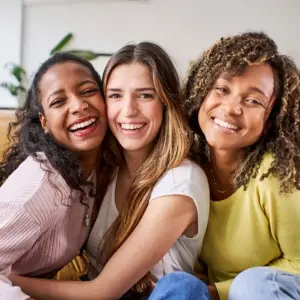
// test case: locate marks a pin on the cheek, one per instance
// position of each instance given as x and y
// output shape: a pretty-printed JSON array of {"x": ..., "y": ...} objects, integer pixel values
[
  {"x": 111, "y": 113},
  {"x": 54, "y": 121},
  {"x": 156, "y": 111},
  {"x": 201, "y": 117},
  {"x": 256, "y": 123},
  {"x": 101, "y": 106}
]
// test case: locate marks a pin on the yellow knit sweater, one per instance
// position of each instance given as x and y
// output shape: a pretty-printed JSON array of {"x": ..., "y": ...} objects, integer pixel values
[{"x": 256, "y": 227}]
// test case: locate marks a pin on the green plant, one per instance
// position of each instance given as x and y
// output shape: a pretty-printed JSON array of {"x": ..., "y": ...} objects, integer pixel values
[
  {"x": 19, "y": 87},
  {"x": 19, "y": 74}
]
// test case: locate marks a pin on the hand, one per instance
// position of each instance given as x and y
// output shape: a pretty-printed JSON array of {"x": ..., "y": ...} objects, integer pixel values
[{"x": 213, "y": 292}]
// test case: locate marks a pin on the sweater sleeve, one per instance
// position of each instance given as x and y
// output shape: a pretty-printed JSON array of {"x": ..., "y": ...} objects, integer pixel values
[
  {"x": 18, "y": 233},
  {"x": 283, "y": 213}
]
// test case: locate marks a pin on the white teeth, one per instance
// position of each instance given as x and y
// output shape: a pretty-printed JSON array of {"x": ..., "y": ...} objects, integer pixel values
[
  {"x": 225, "y": 124},
  {"x": 131, "y": 126},
  {"x": 83, "y": 124}
]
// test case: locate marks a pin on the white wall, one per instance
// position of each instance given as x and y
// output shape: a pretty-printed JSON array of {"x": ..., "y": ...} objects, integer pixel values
[
  {"x": 183, "y": 27},
  {"x": 10, "y": 48}
]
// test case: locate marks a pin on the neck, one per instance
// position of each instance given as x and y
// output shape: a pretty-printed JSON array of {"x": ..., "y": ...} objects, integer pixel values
[
  {"x": 134, "y": 160},
  {"x": 224, "y": 163},
  {"x": 88, "y": 162}
]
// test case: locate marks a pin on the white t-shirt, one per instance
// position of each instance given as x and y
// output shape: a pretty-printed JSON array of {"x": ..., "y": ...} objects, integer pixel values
[
  {"x": 187, "y": 179},
  {"x": 9, "y": 292}
]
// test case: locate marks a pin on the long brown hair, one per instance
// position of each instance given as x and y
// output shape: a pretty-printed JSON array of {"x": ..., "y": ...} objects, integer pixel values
[
  {"x": 171, "y": 146},
  {"x": 281, "y": 136}
]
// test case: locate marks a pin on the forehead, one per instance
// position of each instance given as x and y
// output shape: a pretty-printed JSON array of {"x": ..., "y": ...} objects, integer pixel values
[
  {"x": 130, "y": 75},
  {"x": 67, "y": 73},
  {"x": 260, "y": 76}
]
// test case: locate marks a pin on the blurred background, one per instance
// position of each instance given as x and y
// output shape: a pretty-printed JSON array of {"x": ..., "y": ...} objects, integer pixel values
[{"x": 29, "y": 29}]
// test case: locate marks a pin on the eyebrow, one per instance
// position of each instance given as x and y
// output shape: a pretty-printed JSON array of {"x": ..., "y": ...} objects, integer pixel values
[
  {"x": 138, "y": 89},
  {"x": 79, "y": 85},
  {"x": 55, "y": 93},
  {"x": 251, "y": 88},
  {"x": 87, "y": 81},
  {"x": 255, "y": 89}
]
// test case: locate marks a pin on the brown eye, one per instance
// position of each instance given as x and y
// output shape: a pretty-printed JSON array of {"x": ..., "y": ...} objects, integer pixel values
[
  {"x": 114, "y": 96},
  {"x": 145, "y": 96},
  {"x": 57, "y": 102},
  {"x": 89, "y": 91},
  {"x": 254, "y": 102},
  {"x": 221, "y": 90}
]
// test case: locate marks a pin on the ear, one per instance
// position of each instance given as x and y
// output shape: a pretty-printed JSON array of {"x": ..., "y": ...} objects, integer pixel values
[{"x": 43, "y": 121}]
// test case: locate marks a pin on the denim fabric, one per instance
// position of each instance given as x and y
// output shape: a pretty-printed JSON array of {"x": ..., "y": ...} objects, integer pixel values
[
  {"x": 264, "y": 283},
  {"x": 180, "y": 286}
]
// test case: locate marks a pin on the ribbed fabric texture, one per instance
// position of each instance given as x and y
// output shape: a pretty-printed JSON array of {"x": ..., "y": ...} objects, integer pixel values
[{"x": 41, "y": 221}]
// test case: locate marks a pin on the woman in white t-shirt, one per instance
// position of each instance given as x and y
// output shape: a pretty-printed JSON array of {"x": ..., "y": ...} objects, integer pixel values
[{"x": 154, "y": 215}]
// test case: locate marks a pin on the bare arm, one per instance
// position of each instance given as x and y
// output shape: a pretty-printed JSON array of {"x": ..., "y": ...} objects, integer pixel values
[{"x": 163, "y": 223}]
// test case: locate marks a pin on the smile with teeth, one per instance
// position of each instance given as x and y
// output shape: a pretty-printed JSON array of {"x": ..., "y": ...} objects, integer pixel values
[
  {"x": 82, "y": 125},
  {"x": 131, "y": 126},
  {"x": 225, "y": 124}
]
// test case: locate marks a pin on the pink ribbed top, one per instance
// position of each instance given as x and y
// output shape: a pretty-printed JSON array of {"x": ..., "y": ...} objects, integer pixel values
[{"x": 41, "y": 225}]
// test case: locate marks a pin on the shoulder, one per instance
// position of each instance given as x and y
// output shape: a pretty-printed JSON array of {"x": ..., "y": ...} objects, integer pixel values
[
  {"x": 23, "y": 182},
  {"x": 187, "y": 179},
  {"x": 186, "y": 171},
  {"x": 269, "y": 187},
  {"x": 29, "y": 186}
]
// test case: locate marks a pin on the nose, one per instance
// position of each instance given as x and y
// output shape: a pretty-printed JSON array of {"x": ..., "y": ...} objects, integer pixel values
[
  {"x": 232, "y": 106},
  {"x": 77, "y": 105},
  {"x": 130, "y": 107}
]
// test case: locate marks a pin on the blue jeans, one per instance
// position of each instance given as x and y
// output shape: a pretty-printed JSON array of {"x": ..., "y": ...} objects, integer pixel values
[
  {"x": 260, "y": 283},
  {"x": 180, "y": 286},
  {"x": 264, "y": 283}
]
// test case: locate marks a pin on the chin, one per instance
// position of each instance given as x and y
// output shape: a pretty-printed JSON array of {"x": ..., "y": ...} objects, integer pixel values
[
  {"x": 221, "y": 145},
  {"x": 87, "y": 148},
  {"x": 131, "y": 148}
]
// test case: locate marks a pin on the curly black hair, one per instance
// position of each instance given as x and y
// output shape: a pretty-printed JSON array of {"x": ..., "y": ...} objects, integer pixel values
[
  {"x": 28, "y": 138},
  {"x": 281, "y": 136}
]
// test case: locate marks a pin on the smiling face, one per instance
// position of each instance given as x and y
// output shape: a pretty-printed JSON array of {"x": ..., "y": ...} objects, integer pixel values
[
  {"x": 74, "y": 110},
  {"x": 234, "y": 113},
  {"x": 134, "y": 109}
]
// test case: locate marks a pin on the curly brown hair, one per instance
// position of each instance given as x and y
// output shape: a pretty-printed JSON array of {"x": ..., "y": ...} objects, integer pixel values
[{"x": 281, "y": 135}]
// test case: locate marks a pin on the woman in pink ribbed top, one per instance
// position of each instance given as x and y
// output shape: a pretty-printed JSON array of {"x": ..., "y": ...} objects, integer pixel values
[{"x": 48, "y": 174}]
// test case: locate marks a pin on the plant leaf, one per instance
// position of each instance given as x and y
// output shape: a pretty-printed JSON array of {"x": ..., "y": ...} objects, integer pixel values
[
  {"x": 87, "y": 54},
  {"x": 16, "y": 71},
  {"x": 19, "y": 73},
  {"x": 12, "y": 88},
  {"x": 22, "y": 88},
  {"x": 62, "y": 43}
]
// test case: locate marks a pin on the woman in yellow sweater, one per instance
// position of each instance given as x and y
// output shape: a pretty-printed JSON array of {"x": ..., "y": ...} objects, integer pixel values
[{"x": 243, "y": 102}]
